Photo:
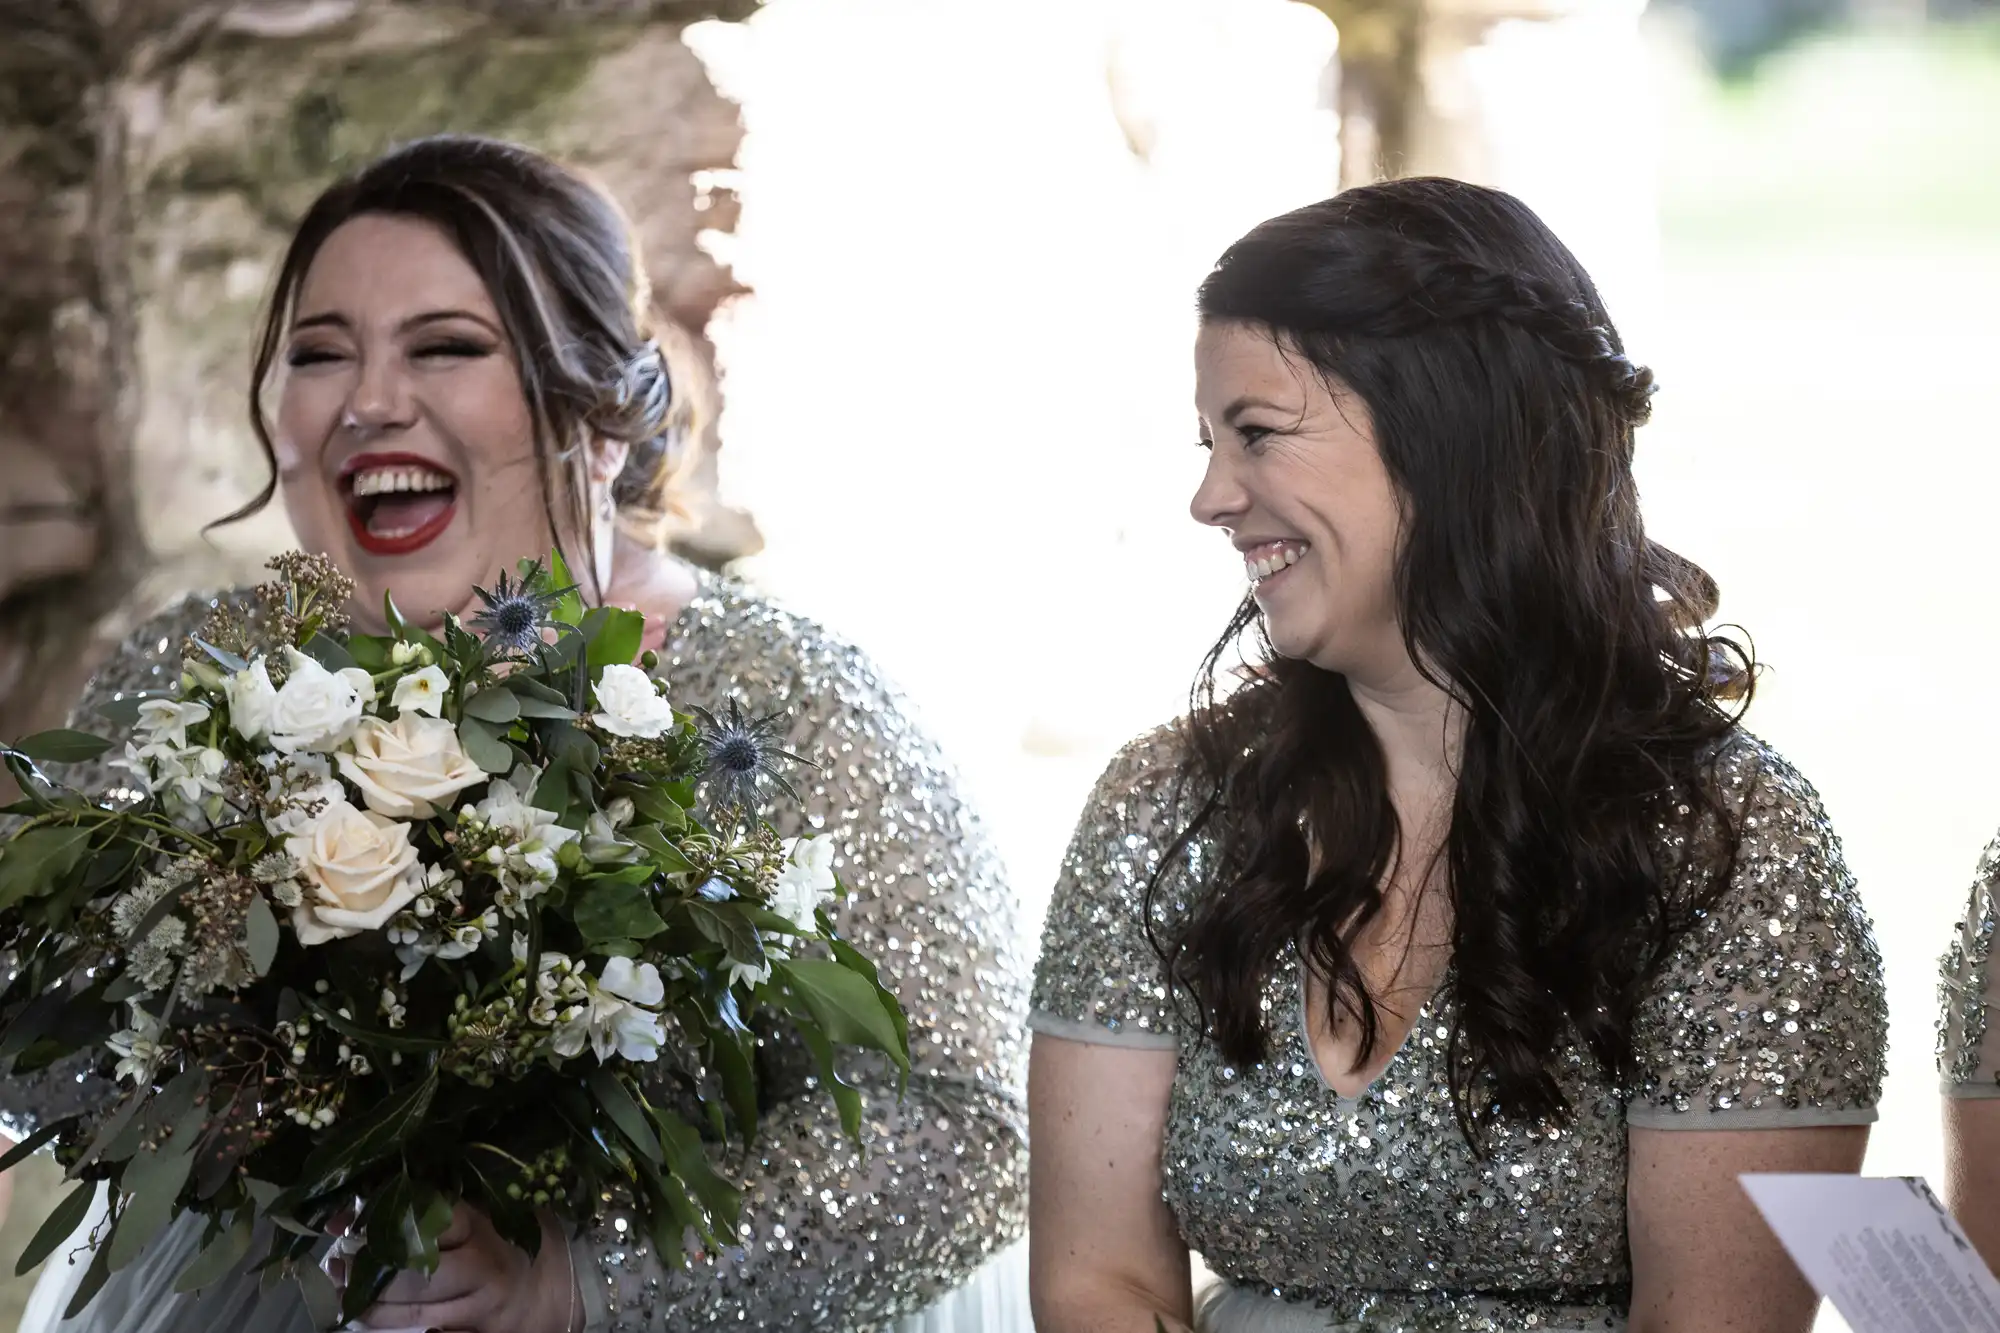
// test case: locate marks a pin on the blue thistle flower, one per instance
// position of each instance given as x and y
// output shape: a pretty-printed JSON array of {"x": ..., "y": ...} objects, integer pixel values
[
  {"x": 743, "y": 756},
  {"x": 517, "y": 613}
]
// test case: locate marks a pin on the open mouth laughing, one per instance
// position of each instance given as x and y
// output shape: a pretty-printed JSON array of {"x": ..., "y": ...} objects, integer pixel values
[{"x": 397, "y": 503}]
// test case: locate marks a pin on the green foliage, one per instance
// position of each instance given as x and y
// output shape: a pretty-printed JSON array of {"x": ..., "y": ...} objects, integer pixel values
[{"x": 411, "y": 1063}]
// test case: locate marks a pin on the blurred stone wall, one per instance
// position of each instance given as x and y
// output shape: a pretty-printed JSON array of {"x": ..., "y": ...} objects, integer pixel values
[{"x": 153, "y": 155}]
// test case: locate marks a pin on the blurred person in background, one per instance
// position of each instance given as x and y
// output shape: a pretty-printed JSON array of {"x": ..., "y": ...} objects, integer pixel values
[
  {"x": 1969, "y": 1064},
  {"x": 466, "y": 375},
  {"x": 1449, "y": 969}
]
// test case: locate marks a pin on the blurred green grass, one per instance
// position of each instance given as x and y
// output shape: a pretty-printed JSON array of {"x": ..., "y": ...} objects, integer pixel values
[{"x": 1880, "y": 136}]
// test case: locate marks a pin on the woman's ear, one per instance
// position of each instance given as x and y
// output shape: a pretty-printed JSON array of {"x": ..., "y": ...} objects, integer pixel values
[{"x": 607, "y": 460}]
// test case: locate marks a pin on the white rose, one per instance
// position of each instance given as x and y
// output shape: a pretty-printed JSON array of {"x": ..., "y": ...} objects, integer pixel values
[
  {"x": 421, "y": 691},
  {"x": 316, "y": 710},
  {"x": 359, "y": 870},
  {"x": 251, "y": 700},
  {"x": 408, "y": 769},
  {"x": 630, "y": 704}
]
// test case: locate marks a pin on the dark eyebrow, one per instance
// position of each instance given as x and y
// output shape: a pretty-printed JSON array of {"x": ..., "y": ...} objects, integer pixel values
[{"x": 334, "y": 319}]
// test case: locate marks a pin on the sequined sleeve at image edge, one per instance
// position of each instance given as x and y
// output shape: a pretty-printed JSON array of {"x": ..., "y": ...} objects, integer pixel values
[{"x": 1968, "y": 1065}]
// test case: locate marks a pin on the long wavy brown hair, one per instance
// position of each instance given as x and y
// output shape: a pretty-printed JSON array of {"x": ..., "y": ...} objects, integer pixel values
[{"x": 1595, "y": 700}]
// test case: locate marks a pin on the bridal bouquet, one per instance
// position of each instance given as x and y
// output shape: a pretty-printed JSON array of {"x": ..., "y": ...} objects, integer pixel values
[{"x": 398, "y": 921}]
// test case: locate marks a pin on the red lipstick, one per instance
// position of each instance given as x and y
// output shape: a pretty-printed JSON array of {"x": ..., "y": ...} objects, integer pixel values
[{"x": 431, "y": 510}]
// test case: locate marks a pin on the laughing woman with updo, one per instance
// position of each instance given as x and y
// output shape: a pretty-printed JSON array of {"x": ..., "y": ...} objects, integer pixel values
[
  {"x": 1444, "y": 973},
  {"x": 464, "y": 374}
]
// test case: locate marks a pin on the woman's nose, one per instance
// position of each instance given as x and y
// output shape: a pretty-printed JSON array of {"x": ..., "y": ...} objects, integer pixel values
[
  {"x": 381, "y": 401},
  {"x": 1219, "y": 501}
]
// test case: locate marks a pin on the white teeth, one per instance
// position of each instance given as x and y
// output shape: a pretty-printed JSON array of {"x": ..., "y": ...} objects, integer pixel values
[
  {"x": 1264, "y": 566},
  {"x": 385, "y": 480}
]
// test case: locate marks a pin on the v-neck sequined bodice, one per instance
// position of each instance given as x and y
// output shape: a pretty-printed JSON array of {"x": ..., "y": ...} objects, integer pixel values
[{"x": 1376, "y": 1209}]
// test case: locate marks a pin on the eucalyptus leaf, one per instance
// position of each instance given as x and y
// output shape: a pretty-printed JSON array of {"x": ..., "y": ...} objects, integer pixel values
[
  {"x": 261, "y": 930},
  {"x": 540, "y": 708},
  {"x": 153, "y": 1180},
  {"x": 27, "y": 1147},
  {"x": 612, "y": 1095},
  {"x": 221, "y": 1254},
  {"x": 329, "y": 652},
  {"x": 58, "y": 1227},
  {"x": 35, "y": 863},
  {"x": 484, "y": 747},
  {"x": 496, "y": 705},
  {"x": 229, "y": 660},
  {"x": 113, "y": 1126},
  {"x": 321, "y": 1297},
  {"x": 63, "y": 746}
]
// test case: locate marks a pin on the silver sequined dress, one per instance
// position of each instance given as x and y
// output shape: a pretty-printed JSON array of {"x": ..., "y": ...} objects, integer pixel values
[
  {"x": 1968, "y": 1055},
  {"x": 1372, "y": 1214},
  {"x": 828, "y": 1240}
]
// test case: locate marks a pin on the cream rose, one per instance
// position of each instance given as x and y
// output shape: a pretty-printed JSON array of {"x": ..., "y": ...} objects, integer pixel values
[
  {"x": 630, "y": 704},
  {"x": 317, "y": 709},
  {"x": 359, "y": 870},
  {"x": 410, "y": 768}
]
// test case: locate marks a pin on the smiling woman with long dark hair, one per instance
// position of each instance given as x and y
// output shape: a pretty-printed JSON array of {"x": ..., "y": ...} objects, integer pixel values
[{"x": 1393, "y": 979}]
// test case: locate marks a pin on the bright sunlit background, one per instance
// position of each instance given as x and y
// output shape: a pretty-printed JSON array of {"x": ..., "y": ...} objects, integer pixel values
[
  {"x": 959, "y": 400},
  {"x": 959, "y": 397}
]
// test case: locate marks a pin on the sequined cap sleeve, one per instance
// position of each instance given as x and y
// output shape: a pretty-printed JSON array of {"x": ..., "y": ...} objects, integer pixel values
[
  {"x": 1099, "y": 979},
  {"x": 1770, "y": 1011},
  {"x": 1968, "y": 1057},
  {"x": 148, "y": 659},
  {"x": 834, "y": 1236}
]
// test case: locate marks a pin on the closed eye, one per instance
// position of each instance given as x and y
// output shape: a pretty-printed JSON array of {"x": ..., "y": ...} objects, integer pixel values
[
  {"x": 461, "y": 350},
  {"x": 311, "y": 356}
]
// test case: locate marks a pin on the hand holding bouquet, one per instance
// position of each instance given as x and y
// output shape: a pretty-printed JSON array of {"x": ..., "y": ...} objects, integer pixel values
[{"x": 399, "y": 923}]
